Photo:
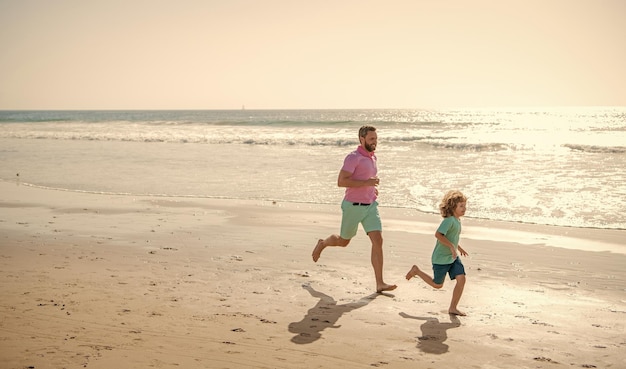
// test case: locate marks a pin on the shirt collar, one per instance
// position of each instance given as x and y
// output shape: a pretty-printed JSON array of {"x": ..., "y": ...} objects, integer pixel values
[{"x": 364, "y": 152}]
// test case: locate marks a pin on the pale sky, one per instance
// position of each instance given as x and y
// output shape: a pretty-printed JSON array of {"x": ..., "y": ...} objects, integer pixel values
[{"x": 313, "y": 54}]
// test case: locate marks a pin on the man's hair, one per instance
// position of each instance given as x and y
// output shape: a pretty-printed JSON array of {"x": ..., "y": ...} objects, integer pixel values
[
  {"x": 450, "y": 201},
  {"x": 363, "y": 130}
]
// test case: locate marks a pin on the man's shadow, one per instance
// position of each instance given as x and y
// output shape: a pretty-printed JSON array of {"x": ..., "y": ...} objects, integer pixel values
[
  {"x": 324, "y": 314},
  {"x": 434, "y": 333}
]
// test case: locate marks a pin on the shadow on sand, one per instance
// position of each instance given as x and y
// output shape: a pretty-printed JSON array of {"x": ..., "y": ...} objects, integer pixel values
[
  {"x": 434, "y": 333},
  {"x": 324, "y": 314}
]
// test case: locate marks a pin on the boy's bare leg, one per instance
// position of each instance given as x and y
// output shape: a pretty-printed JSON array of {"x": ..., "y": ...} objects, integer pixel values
[
  {"x": 377, "y": 262},
  {"x": 456, "y": 295},
  {"x": 332, "y": 240},
  {"x": 415, "y": 271}
]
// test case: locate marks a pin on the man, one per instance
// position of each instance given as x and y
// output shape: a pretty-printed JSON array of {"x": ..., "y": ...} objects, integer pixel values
[{"x": 358, "y": 176}]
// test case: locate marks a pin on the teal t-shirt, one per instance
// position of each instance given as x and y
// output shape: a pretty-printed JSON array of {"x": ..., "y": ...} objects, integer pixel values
[{"x": 451, "y": 228}]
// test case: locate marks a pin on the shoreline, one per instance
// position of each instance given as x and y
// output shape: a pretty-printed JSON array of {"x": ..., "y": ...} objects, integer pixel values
[
  {"x": 560, "y": 229},
  {"x": 138, "y": 281}
]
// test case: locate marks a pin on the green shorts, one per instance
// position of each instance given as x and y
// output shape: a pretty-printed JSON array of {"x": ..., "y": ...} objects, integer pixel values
[
  {"x": 454, "y": 269},
  {"x": 355, "y": 214}
]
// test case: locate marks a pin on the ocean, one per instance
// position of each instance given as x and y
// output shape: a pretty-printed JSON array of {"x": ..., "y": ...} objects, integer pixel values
[{"x": 560, "y": 166}]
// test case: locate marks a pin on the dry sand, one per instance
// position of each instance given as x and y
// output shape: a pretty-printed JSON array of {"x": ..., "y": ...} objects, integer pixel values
[{"x": 111, "y": 281}]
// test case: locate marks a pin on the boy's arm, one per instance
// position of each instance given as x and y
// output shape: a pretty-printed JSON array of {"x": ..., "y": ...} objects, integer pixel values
[{"x": 444, "y": 241}]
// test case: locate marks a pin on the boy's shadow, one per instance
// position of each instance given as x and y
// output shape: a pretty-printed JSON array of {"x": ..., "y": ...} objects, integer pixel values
[
  {"x": 324, "y": 314},
  {"x": 434, "y": 333}
]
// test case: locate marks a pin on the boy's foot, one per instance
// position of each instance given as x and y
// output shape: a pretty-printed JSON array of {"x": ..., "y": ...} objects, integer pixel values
[
  {"x": 317, "y": 251},
  {"x": 413, "y": 272},
  {"x": 385, "y": 287},
  {"x": 456, "y": 312}
]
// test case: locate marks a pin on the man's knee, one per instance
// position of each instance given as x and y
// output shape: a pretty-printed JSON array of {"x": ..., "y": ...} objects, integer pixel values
[{"x": 376, "y": 237}]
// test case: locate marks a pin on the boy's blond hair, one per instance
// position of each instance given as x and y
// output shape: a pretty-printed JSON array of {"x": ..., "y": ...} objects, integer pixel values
[{"x": 450, "y": 201}]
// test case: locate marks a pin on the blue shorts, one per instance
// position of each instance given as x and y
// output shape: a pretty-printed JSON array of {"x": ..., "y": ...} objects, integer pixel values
[
  {"x": 454, "y": 269},
  {"x": 355, "y": 214}
]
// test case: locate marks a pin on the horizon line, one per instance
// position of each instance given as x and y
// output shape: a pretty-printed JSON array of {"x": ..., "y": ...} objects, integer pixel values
[{"x": 520, "y": 107}]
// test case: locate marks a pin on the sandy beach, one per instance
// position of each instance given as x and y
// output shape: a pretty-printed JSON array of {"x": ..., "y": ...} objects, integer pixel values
[{"x": 105, "y": 281}]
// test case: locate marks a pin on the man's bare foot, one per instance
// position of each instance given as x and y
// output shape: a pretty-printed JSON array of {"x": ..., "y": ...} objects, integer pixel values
[
  {"x": 413, "y": 272},
  {"x": 385, "y": 287},
  {"x": 317, "y": 251},
  {"x": 456, "y": 312}
]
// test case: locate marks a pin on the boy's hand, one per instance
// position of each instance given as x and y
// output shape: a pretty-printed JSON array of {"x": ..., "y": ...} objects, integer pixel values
[{"x": 463, "y": 252}]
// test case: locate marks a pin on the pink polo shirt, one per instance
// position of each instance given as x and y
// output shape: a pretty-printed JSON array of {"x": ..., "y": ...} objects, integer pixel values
[{"x": 362, "y": 164}]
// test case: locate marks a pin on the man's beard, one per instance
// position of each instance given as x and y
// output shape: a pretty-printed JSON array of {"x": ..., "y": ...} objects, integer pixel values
[{"x": 370, "y": 148}]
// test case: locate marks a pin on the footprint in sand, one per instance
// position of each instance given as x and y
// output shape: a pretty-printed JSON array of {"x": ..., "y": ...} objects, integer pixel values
[
  {"x": 545, "y": 359},
  {"x": 380, "y": 363}
]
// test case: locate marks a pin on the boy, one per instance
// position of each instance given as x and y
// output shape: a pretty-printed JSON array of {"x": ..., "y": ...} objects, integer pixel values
[{"x": 445, "y": 255}]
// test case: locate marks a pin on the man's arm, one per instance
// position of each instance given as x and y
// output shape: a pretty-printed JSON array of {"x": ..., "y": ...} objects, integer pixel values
[{"x": 345, "y": 180}]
